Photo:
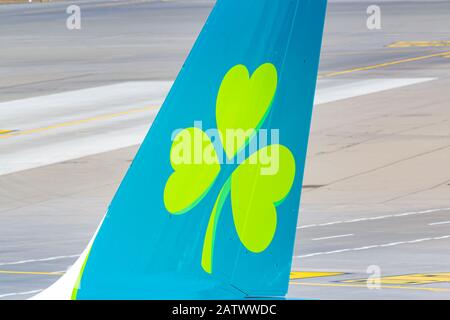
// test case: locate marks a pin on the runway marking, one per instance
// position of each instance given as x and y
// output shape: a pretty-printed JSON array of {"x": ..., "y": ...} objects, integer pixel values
[
  {"x": 405, "y": 214},
  {"x": 38, "y": 260},
  {"x": 392, "y": 244},
  {"x": 386, "y": 64},
  {"x": 409, "y": 44},
  {"x": 333, "y": 237},
  {"x": 77, "y": 122},
  {"x": 411, "y": 279},
  {"x": 365, "y": 286},
  {"x": 439, "y": 223},
  {"x": 89, "y": 5},
  {"x": 57, "y": 273},
  {"x": 20, "y": 293},
  {"x": 312, "y": 274},
  {"x": 4, "y": 131}
]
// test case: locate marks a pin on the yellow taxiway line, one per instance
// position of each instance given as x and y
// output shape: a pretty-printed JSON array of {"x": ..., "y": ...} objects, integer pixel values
[
  {"x": 416, "y": 44},
  {"x": 339, "y": 285},
  {"x": 386, "y": 64},
  {"x": 77, "y": 122},
  {"x": 298, "y": 275},
  {"x": 410, "y": 279}
]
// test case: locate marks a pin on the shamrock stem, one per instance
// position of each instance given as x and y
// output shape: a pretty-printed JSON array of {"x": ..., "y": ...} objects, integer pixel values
[{"x": 210, "y": 237}]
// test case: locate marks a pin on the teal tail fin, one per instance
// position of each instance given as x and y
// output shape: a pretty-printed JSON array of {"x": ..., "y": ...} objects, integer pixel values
[{"x": 209, "y": 206}]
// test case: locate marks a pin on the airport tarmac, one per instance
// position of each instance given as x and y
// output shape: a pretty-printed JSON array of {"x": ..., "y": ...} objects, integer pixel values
[{"x": 377, "y": 186}]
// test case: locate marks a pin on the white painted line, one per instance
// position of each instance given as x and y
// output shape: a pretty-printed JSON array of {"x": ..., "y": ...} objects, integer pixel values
[
  {"x": 357, "y": 220},
  {"x": 47, "y": 110},
  {"x": 379, "y": 218},
  {"x": 420, "y": 240},
  {"x": 363, "y": 248},
  {"x": 392, "y": 244},
  {"x": 334, "y": 237},
  {"x": 374, "y": 218},
  {"x": 363, "y": 87},
  {"x": 38, "y": 260},
  {"x": 12, "y": 294},
  {"x": 307, "y": 226},
  {"x": 439, "y": 223},
  {"x": 443, "y": 237},
  {"x": 332, "y": 223}
]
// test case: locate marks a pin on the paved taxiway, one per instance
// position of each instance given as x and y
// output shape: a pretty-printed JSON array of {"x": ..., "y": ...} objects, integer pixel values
[{"x": 377, "y": 185}]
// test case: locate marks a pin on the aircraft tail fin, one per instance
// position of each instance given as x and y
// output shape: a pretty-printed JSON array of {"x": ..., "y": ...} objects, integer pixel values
[{"x": 209, "y": 207}]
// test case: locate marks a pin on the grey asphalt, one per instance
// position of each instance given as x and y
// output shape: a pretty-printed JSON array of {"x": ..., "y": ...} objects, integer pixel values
[{"x": 376, "y": 163}]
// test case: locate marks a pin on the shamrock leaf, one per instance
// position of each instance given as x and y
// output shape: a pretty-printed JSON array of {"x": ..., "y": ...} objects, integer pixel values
[
  {"x": 243, "y": 103},
  {"x": 256, "y": 191},
  {"x": 196, "y": 166},
  {"x": 255, "y": 195}
]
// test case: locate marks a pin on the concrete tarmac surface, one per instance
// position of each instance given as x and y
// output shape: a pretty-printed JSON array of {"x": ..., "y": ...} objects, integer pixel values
[{"x": 376, "y": 197}]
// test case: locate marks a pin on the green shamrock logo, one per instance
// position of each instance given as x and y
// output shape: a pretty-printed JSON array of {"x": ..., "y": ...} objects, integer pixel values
[{"x": 243, "y": 102}]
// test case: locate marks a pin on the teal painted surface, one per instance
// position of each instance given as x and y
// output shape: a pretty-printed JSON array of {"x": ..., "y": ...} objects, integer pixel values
[{"x": 144, "y": 252}]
